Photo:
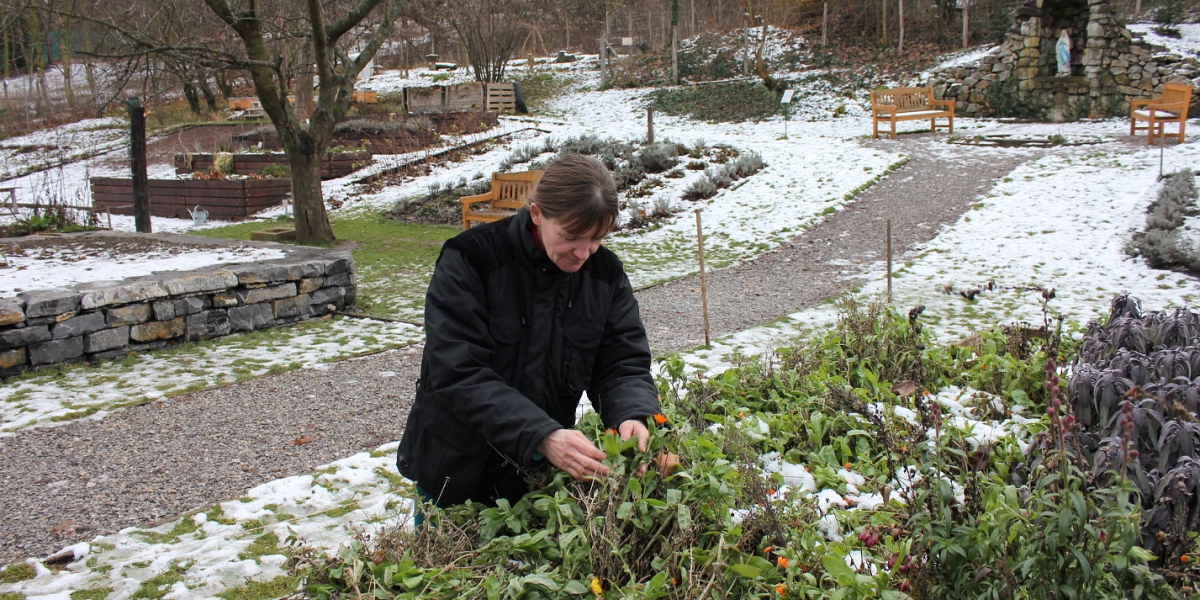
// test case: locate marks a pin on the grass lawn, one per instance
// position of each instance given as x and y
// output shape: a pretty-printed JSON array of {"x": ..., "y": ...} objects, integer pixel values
[{"x": 394, "y": 260}]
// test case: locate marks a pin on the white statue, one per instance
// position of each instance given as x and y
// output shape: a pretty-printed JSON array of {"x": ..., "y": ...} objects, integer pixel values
[{"x": 1063, "y": 51}]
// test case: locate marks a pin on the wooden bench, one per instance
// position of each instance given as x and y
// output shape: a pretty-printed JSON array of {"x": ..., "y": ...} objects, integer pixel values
[
  {"x": 909, "y": 104},
  {"x": 1171, "y": 107},
  {"x": 510, "y": 192}
]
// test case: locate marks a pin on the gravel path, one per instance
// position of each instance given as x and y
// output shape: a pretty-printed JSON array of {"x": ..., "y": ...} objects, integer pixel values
[
  {"x": 60, "y": 485},
  {"x": 938, "y": 184}
]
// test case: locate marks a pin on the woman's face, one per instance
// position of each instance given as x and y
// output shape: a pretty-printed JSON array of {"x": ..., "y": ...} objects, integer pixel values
[{"x": 567, "y": 251}]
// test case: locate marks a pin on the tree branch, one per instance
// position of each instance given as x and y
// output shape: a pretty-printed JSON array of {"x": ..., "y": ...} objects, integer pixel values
[{"x": 352, "y": 18}]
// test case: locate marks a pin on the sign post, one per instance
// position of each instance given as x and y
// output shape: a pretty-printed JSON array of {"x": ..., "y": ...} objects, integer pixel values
[{"x": 787, "y": 102}]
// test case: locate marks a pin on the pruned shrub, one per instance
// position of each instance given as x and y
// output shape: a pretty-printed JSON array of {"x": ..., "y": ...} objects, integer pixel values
[
  {"x": 658, "y": 158},
  {"x": 701, "y": 189},
  {"x": 1162, "y": 244}
]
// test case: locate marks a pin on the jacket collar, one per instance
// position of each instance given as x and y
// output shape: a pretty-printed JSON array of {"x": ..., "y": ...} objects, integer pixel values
[{"x": 520, "y": 232}]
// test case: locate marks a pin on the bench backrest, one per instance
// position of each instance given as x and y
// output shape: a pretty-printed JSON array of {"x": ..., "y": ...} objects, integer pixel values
[
  {"x": 904, "y": 99},
  {"x": 512, "y": 190},
  {"x": 1175, "y": 93}
]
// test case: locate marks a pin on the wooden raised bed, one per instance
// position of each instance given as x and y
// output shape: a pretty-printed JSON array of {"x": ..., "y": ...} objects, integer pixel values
[
  {"x": 223, "y": 199},
  {"x": 333, "y": 164},
  {"x": 397, "y": 142}
]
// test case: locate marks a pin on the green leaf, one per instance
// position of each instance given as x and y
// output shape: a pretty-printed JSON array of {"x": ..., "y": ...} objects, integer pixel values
[
  {"x": 575, "y": 587},
  {"x": 836, "y": 565},
  {"x": 684, "y": 517},
  {"x": 624, "y": 510},
  {"x": 541, "y": 581},
  {"x": 745, "y": 571}
]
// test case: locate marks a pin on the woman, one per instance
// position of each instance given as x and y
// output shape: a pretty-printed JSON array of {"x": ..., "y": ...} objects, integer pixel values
[{"x": 522, "y": 317}]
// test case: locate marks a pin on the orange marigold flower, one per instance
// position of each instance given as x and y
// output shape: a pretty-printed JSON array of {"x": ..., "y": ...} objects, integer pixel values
[
  {"x": 783, "y": 562},
  {"x": 768, "y": 549},
  {"x": 847, "y": 465},
  {"x": 660, "y": 419},
  {"x": 741, "y": 415},
  {"x": 770, "y": 491},
  {"x": 674, "y": 581},
  {"x": 904, "y": 447},
  {"x": 779, "y": 589},
  {"x": 612, "y": 431}
]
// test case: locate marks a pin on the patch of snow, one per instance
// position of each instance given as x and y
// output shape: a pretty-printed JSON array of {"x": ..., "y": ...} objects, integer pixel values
[{"x": 1188, "y": 44}]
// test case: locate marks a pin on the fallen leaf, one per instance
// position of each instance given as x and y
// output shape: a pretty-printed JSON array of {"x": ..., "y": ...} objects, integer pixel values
[
  {"x": 668, "y": 463},
  {"x": 302, "y": 440},
  {"x": 66, "y": 526},
  {"x": 905, "y": 388}
]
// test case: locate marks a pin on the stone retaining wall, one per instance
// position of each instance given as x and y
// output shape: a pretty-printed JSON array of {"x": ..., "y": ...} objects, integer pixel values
[
  {"x": 1109, "y": 67},
  {"x": 103, "y": 320}
]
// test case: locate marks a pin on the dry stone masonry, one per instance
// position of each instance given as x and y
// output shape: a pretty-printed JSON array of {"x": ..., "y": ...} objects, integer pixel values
[
  {"x": 102, "y": 320},
  {"x": 1109, "y": 67}
]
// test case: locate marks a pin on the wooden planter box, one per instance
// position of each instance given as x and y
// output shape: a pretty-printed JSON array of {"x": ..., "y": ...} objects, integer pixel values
[
  {"x": 333, "y": 164},
  {"x": 398, "y": 142},
  {"x": 223, "y": 199}
]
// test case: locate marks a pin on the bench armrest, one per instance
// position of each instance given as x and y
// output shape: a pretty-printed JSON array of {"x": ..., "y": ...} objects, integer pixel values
[
  {"x": 1174, "y": 106},
  {"x": 883, "y": 109},
  {"x": 469, "y": 200},
  {"x": 947, "y": 103},
  {"x": 1134, "y": 104}
]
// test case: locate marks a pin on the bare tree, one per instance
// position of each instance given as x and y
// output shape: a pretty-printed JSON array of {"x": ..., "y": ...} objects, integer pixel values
[
  {"x": 266, "y": 39},
  {"x": 489, "y": 30}
]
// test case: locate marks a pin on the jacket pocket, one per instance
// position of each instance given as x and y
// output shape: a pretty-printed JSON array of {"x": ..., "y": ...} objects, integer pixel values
[
  {"x": 583, "y": 337},
  {"x": 506, "y": 338}
]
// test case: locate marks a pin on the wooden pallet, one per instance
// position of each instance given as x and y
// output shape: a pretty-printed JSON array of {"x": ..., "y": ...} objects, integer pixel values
[{"x": 501, "y": 97}]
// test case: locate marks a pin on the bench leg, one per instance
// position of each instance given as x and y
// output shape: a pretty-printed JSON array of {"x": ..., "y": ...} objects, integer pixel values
[
  {"x": 875, "y": 127},
  {"x": 1182, "y": 124},
  {"x": 894, "y": 135}
]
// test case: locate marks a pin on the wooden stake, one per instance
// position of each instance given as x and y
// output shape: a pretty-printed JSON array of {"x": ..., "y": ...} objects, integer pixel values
[
  {"x": 703, "y": 283},
  {"x": 137, "y": 164},
  {"x": 109, "y": 213},
  {"x": 966, "y": 24},
  {"x": 603, "y": 64},
  {"x": 888, "y": 251},
  {"x": 901, "y": 26},
  {"x": 649, "y": 125},
  {"x": 824, "y": 23}
]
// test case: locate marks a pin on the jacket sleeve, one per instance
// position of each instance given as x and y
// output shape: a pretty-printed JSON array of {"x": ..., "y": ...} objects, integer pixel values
[
  {"x": 622, "y": 387},
  {"x": 460, "y": 377}
]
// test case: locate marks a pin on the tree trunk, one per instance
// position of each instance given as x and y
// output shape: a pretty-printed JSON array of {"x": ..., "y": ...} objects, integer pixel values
[
  {"x": 966, "y": 34},
  {"x": 65, "y": 46},
  {"x": 312, "y": 222},
  {"x": 210, "y": 99},
  {"x": 223, "y": 84},
  {"x": 192, "y": 97},
  {"x": 901, "y": 51}
]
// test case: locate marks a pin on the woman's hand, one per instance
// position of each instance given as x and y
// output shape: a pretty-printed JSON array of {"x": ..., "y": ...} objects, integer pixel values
[
  {"x": 631, "y": 428},
  {"x": 571, "y": 451}
]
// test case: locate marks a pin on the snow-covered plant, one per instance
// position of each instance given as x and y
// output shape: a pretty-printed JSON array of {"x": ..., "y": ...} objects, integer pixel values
[
  {"x": 700, "y": 189},
  {"x": 1161, "y": 244},
  {"x": 657, "y": 158}
]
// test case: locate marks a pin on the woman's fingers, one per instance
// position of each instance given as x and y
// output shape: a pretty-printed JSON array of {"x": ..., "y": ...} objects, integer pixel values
[{"x": 572, "y": 452}]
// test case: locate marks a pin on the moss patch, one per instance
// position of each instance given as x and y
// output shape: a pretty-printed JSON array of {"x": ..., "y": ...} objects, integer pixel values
[
  {"x": 97, "y": 594},
  {"x": 17, "y": 572},
  {"x": 255, "y": 590},
  {"x": 265, "y": 544}
]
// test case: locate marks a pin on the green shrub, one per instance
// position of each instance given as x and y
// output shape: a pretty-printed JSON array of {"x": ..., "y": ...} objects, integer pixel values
[
  {"x": 718, "y": 102},
  {"x": 276, "y": 170},
  {"x": 1161, "y": 244}
]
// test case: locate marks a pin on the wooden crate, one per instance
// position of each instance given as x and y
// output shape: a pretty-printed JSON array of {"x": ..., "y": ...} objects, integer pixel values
[
  {"x": 223, "y": 199},
  {"x": 467, "y": 97},
  {"x": 333, "y": 164},
  {"x": 244, "y": 103},
  {"x": 430, "y": 99},
  {"x": 501, "y": 97},
  {"x": 365, "y": 97}
]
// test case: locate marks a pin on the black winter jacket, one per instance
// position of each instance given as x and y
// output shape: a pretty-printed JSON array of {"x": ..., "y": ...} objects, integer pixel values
[{"x": 512, "y": 342}]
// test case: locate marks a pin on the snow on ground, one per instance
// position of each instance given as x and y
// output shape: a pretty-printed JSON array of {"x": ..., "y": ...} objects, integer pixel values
[
  {"x": 83, "y": 391},
  {"x": 1188, "y": 44},
  {"x": 49, "y": 147},
  {"x": 962, "y": 59},
  {"x": 66, "y": 266}
]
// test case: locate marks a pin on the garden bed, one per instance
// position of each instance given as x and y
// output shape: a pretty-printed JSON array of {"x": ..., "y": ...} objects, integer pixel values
[
  {"x": 333, "y": 164},
  {"x": 389, "y": 137},
  {"x": 225, "y": 199}
]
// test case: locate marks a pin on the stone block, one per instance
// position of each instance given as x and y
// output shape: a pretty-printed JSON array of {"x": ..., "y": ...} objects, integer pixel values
[
  {"x": 341, "y": 279},
  {"x": 313, "y": 283},
  {"x": 100, "y": 294},
  {"x": 296, "y": 306},
  {"x": 77, "y": 326},
  {"x": 259, "y": 273},
  {"x": 210, "y": 281},
  {"x": 108, "y": 355},
  {"x": 164, "y": 310},
  {"x": 17, "y": 357},
  {"x": 352, "y": 295},
  {"x": 12, "y": 311},
  {"x": 56, "y": 351},
  {"x": 107, "y": 339},
  {"x": 48, "y": 303},
  {"x": 224, "y": 299},
  {"x": 329, "y": 295},
  {"x": 24, "y": 336},
  {"x": 40, "y": 321},
  {"x": 254, "y": 316},
  {"x": 274, "y": 234},
  {"x": 147, "y": 347},
  {"x": 191, "y": 305},
  {"x": 301, "y": 270},
  {"x": 254, "y": 296},
  {"x": 340, "y": 262},
  {"x": 129, "y": 315},
  {"x": 208, "y": 324},
  {"x": 157, "y": 330}
]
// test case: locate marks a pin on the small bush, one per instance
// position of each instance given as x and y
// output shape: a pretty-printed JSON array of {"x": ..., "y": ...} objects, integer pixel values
[
  {"x": 657, "y": 158},
  {"x": 1170, "y": 12},
  {"x": 277, "y": 170},
  {"x": 718, "y": 102},
  {"x": 1161, "y": 244},
  {"x": 701, "y": 189},
  {"x": 223, "y": 163}
]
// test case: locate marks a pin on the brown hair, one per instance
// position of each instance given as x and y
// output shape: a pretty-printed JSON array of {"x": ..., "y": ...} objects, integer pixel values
[{"x": 579, "y": 193}]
